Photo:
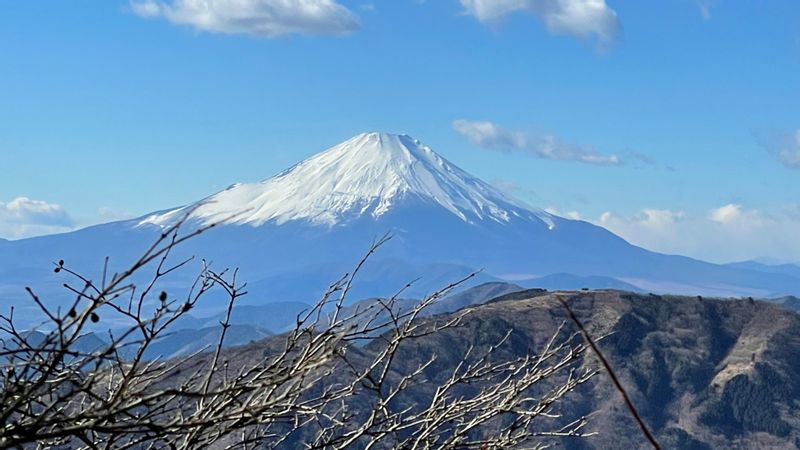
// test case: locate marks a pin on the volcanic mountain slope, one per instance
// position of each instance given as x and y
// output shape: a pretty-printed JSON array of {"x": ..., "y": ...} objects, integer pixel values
[
  {"x": 294, "y": 233},
  {"x": 704, "y": 373},
  {"x": 366, "y": 176}
]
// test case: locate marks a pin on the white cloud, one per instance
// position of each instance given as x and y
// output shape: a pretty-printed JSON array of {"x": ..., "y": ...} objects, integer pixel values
[
  {"x": 726, "y": 214},
  {"x": 728, "y": 233},
  {"x": 583, "y": 19},
  {"x": 647, "y": 225},
  {"x": 489, "y": 135},
  {"x": 733, "y": 215},
  {"x": 266, "y": 18},
  {"x": 23, "y": 217},
  {"x": 574, "y": 215}
]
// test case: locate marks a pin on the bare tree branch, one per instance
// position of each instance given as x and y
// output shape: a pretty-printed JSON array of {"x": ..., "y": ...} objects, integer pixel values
[{"x": 335, "y": 381}]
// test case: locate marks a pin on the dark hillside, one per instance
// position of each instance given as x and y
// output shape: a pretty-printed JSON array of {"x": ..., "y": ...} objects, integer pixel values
[{"x": 704, "y": 373}]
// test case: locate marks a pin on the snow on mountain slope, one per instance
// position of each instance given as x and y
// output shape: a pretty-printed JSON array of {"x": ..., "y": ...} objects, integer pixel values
[{"x": 366, "y": 175}]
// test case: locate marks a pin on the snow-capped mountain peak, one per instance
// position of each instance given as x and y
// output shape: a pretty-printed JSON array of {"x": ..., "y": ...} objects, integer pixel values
[{"x": 368, "y": 174}]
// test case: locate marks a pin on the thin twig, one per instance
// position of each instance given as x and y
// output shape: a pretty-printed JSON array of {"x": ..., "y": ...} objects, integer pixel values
[{"x": 632, "y": 409}]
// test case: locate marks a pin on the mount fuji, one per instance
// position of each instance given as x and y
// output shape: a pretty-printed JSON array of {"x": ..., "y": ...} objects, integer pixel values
[
  {"x": 294, "y": 233},
  {"x": 369, "y": 175}
]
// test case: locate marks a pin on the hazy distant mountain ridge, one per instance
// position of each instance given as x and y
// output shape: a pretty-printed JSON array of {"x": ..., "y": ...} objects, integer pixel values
[{"x": 293, "y": 234}]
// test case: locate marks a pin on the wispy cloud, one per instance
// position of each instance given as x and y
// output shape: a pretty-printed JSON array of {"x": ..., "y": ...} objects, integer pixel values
[
  {"x": 730, "y": 232},
  {"x": 583, "y": 19},
  {"x": 107, "y": 214},
  {"x": 789, "y": 151},
  {"x": 785, "y": 146},
  {"x": 265, "y": 18},
  {"x": 705, "y": 8},
  {"x": 491, "y": 136},
  {"x": 23, "y": 217}
]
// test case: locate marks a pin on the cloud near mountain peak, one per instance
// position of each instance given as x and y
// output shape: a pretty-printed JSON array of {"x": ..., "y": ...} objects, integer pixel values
[
  {"x": 24, "y": 217},
  {"x": 488, "y": 135}
]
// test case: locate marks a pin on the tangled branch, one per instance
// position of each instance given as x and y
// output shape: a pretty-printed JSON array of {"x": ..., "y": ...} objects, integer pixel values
[{"x": 331, "y": 382}]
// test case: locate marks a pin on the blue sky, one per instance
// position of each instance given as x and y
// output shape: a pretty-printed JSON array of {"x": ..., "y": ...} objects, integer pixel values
[{"x": 674, "y": 124}]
